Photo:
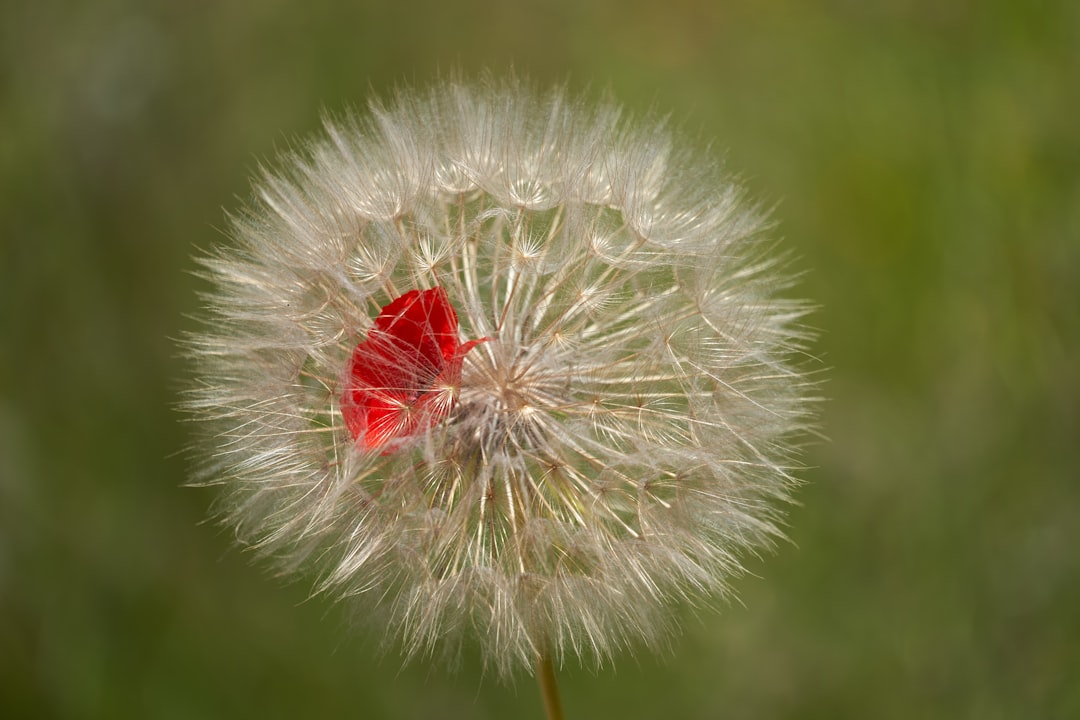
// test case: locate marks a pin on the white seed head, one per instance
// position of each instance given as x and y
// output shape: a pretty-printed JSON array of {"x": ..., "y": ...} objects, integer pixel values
[{"x": 620, "y": 439}]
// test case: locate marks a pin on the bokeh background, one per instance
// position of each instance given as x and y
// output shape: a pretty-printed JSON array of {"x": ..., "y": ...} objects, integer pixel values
[{"x": 924, "y": 161}]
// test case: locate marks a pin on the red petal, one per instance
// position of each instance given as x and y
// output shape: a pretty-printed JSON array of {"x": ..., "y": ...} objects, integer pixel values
[{"x": 402, "y": 378}]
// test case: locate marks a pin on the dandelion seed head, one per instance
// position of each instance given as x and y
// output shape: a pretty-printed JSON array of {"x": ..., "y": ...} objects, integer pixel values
[{"x": 610, "y": 424}]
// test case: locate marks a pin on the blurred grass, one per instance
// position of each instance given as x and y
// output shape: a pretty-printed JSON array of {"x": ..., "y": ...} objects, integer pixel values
[{"x": 925, "y": 163}]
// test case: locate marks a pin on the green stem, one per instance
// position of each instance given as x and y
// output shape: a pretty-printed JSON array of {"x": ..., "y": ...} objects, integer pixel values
[{"x": 549, "y": 687}]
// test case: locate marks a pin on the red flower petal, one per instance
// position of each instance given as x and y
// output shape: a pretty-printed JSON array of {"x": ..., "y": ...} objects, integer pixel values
[{"x": 403, "y": 378}]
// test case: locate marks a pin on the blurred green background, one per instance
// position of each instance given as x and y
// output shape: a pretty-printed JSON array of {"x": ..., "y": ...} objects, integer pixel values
[{"x": 924, "y": 160}]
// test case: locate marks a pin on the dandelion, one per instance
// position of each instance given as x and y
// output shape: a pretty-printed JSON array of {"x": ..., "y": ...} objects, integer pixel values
[{"x": 505, "y": 367}]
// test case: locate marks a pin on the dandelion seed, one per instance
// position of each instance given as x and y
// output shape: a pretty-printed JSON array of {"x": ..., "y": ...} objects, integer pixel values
[{"x": 502, "y": 366}]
